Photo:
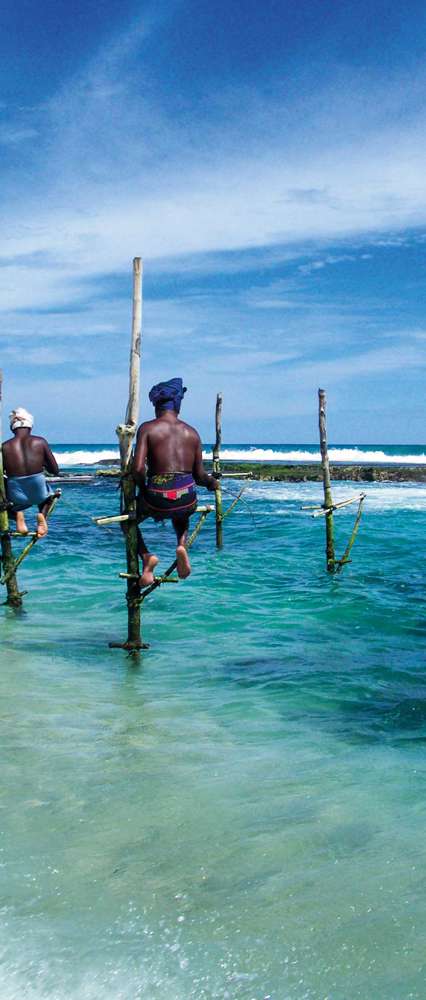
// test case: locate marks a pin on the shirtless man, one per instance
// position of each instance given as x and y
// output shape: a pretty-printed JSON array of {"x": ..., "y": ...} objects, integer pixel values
[
  {"x": 171, "y": 450},
  {"x": 24, "y": 458}
]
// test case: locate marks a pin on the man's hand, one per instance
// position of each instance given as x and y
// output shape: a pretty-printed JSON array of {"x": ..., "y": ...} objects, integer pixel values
[{"x": 213, "y": 484}]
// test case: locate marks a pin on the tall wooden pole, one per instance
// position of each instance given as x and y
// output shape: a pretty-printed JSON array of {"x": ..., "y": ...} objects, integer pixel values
[
  {"x": 126, "y": 433},
  {"x": 13, "y": 596},
  {"x": 216, "y": 471},
  {"x": 328, "y": 500}
]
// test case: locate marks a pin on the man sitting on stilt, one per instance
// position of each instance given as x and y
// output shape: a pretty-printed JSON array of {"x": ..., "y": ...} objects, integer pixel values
[
  {"x": 171, "y": 451},
  {"x": 25, "y": 457}
]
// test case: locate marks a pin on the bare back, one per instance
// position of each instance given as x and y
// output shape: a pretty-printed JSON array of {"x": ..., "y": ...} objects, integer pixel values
[
  {"x": 26, "y": 455},
  {"x": 169, "y": 445}
]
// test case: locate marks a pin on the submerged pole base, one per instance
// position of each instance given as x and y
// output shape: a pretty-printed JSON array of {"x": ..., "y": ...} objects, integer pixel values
[
  {"x": 131, "y": 647},
  {"x": 15, "y": 602}
]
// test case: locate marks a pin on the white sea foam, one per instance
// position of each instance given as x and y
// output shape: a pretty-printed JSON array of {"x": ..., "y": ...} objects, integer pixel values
[
  {"x": 65, "y": 458},
  {"x": 253, "y": 454},
  {"x": 335, "y": 454},
  {"x": 379, "y": 496}
]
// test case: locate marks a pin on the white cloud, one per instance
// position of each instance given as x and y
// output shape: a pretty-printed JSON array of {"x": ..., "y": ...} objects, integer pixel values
[
  {"x": 118, "y": 177},
  {"x": 379, "y": 361}
]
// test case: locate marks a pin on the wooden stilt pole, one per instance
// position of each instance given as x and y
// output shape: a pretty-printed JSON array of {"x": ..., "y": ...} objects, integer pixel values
[
  {"x": 14, "y": 598},
  {"x": 126, "y": 433},
  {"x": 216, "y": 471},
  {"x": 328, "y": 500},
  {"x": 166, "y": 577}
]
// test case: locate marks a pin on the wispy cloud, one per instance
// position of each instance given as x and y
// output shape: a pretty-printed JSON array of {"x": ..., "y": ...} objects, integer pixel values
[
  {"x": 269, "y": 188},
  {"x": 111, "y": 193},
  {"x": 14, "y": 135}
]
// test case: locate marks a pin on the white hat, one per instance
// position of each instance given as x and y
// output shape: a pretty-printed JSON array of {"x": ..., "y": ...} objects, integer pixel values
[{"x": 20, "y": 418}]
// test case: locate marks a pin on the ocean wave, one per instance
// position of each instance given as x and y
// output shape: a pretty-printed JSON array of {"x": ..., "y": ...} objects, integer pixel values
[
  {"x": 252, "y": 454},
  {"x": 84, "y": 457},
  {"x": 352, "y": 455}
]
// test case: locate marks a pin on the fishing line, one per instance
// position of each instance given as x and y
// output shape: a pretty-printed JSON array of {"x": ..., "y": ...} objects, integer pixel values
[{"x": 225, "y": 489}]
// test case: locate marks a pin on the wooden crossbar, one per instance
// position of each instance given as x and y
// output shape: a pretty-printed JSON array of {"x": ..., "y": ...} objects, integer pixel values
[
  {"x": 19, "y": 534},
  {"x": 117, "y": 518},
  {"x": 114, "y": 519},
  {"x": 236, "y": 475},
  {"x": 159, "y": 579},
  {"x": 320, "y": 511}
]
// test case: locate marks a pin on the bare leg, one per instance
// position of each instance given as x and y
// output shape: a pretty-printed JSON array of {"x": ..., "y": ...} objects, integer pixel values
[
  {"x": 149, "y": 562},
  {"x": 42, "y": 526},
  {"x": 180, "y": 525},
  {"x": 21, "y": 524}
]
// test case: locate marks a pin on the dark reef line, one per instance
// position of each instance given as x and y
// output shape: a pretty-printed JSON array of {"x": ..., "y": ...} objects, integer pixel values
[{"x": 311, "y": 472}]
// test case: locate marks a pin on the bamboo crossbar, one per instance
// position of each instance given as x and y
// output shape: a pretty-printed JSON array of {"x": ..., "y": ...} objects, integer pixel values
[
  {"x": 19, "y": 534},
  {"x": 236, "y": 475},
  {"x": 116, "y": 518},
  {"x": 166, "y": 579},
  {"x": 321, "y": 512},
  {"x": 158, "y": 579}
]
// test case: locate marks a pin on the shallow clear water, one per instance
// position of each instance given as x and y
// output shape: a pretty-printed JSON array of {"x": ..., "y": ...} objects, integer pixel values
[{"x": 241, "y": 815}]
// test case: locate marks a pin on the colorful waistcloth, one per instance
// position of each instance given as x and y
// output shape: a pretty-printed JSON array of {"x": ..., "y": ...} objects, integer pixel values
[
  {"x": 25, "y": 491},
  {"x": 167, "y": 495}
]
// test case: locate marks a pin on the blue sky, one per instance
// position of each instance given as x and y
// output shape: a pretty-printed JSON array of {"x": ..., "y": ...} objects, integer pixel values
[{"x": 267, "y": 162}]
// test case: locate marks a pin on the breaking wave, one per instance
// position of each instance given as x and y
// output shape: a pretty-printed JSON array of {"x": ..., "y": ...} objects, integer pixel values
[
  {"x": 86, "y": 457},
  {"x": 357, "y": 455},
  {"x": 241, "y": 453}
]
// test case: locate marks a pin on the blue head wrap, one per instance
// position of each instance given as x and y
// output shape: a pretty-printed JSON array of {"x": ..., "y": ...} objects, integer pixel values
[{"x": 168, "y": 395}]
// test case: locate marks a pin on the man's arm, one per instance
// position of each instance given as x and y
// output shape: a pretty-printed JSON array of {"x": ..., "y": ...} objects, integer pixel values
[
  {"x": 202, "y": 478},
  {"x": 49, "y": 461},
  {"x": 141, "y": 454}
]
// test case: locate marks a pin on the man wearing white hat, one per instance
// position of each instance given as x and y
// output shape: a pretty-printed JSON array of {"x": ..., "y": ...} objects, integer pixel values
[{"x": 25, "y": 457}]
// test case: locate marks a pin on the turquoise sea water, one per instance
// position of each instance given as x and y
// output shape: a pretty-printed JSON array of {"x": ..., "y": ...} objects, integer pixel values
[{"x": 241, "y": 815}]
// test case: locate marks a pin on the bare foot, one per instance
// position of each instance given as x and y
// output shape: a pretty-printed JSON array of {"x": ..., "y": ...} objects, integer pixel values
[
  {"x": 21, "y": 523},
  {"x": 149, "y": 563},
  {"x": 42, "y": 527},
  {"x": 183, "y": 563}
]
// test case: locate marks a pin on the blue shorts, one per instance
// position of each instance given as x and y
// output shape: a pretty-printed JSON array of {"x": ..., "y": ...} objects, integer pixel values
[{"x": 25, "y": 491}]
